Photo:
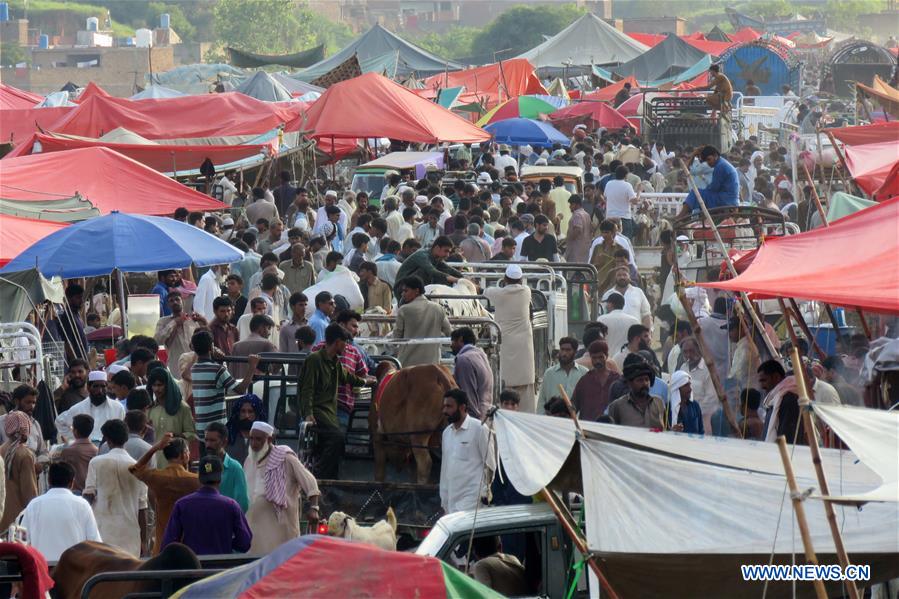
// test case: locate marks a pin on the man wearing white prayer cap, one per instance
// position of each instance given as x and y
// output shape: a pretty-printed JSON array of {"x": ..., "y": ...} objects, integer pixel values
[
  {"x": 276, "y": 483},
  {"x": 97, "y": 404},
  {"x": 513, "y": 315},
  {"x": 684, "y": 414}
]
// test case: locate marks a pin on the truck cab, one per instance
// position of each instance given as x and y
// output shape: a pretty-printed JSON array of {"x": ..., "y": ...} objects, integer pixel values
[
  {"x": 371, "y": 177},
  {"x": 573, "y": 176},
  {"x": 530, "y": 532}
]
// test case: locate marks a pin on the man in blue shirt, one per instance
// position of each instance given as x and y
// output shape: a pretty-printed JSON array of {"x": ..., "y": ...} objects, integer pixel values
[
  {"x": 723, "y": 190},
  {"x": 165, "y": 279},
  {"x": 321, "y": 318},
  {"x": 684, "y": 413}
]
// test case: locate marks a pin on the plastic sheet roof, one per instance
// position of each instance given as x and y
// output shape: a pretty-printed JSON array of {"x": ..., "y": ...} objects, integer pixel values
[
  {"x": 374, "y": 106},
  {"x": 107, "y": 179},
  {"x": 491, "y": 83},
  {"x": 13, "y": 97},
  {"x": 587, "y": 41},
  {"x": 264, "y": 87},
  {"x": 20, "y": 233},
  {"x": 850, "y": 263},
  {"x": 667, "y": 59}
]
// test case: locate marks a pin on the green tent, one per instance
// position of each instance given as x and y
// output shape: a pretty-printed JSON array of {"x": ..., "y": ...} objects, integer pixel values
[
  {"x": 21, "y": 291},
  {"x": 68, "y": 210},
  {"x": 842, "y": 204}
]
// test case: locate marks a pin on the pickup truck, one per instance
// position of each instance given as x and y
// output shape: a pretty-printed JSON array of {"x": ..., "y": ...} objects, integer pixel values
[{"x": 530, "y": 532}]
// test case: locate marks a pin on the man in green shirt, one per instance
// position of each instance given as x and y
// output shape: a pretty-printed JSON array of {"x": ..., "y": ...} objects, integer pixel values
[
  {"x": 429, "y": 264},
  {"x": 321, "y": 376},
  {"x": 234, "y": 482}
]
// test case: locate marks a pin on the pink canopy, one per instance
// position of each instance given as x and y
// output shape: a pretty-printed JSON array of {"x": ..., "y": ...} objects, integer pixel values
[
  {"x": 21, "y": 233},
  {"x": 102, "y": 176},
  {"x": 13, "y": 97},
  {"x": 850, "y": 263}
]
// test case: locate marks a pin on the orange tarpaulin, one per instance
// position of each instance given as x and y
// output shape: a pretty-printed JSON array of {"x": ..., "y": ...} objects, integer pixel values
[
  {"x": 20, "y": 233},
  {"x": 13, "y": 97},
  {"x": 184, "y": 117},
  {"x": 162, "y": 158},
  {"x": 374, "y": 106},
  {"x": 107, "y": 179},
  {"x": 851, "y": 263},
  {"x": 600, "y": 115},
  {"x": 747, "y": 34},
  {"x": 887, "y": 96},
  {"x": 509, "y": 79}
]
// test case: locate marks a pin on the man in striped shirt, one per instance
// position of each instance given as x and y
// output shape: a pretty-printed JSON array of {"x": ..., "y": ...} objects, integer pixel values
[{"x": 212, "y": 380}]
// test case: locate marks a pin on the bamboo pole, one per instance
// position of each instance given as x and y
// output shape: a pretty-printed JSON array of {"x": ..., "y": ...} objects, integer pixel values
[
  {"x": 833, "y": 321},
  {"x": 567, "y": 520},
  {"x": 811, "y": 436},
  {"x": 709, "y": 363},
  {"x": 845, "y": 167},
  {"x": 800, "y": 320},
  {"x": 867, "y": 329},
  {"x": 815, "y": 196},
  {"x": 799, "y": 510},
  {"x": 730, "y": 263}
]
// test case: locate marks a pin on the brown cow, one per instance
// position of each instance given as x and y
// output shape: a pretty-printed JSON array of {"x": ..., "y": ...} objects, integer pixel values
[
  {"x": 80, "y": 562},
  {"x": 408, "y": 414}
]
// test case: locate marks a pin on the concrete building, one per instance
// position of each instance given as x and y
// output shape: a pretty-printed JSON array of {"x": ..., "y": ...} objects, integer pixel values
[
  {"x": 661, "y": 25},
  {"x": 116, "y": 70}
]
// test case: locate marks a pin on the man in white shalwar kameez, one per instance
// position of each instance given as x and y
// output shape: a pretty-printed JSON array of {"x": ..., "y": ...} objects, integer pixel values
[
  {"x": 516, "y": 352},
  {"x": 276, "y": 483},
  {"x": 116, "y": 496}
]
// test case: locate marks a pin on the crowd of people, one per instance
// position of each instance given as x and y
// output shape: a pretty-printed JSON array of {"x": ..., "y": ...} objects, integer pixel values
[{"x": 121, "y": 466}]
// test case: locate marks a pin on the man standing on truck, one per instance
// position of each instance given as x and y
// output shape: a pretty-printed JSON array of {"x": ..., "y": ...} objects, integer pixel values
[
  {"x": 468, "y": 462},
  {"x": 323, "y": 374}
]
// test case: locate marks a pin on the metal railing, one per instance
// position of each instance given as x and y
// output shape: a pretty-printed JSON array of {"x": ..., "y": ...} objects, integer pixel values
[{"x": 34, "y": 347}]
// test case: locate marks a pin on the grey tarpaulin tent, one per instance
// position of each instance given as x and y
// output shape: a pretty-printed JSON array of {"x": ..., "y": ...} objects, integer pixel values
[
  {"x": 263, "y": 86},
  {"x": 670, "y": 57},
  {"x": 21, "y": 291},
  {"x": 588, "y": 41},
  {"x": 376, "y": 42},
  {"x": 298, "y": 60}
]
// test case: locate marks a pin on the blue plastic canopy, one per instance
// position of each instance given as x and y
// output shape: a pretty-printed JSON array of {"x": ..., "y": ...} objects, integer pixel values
[
  {"x": 123, "y": 242},
  {"x": 519, "y": 132}
]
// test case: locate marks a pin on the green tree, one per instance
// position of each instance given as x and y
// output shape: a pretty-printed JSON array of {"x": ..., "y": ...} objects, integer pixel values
[
  {"x": 178, "y": 20},
  {"x": 263, "y": 26},
  {"x": 12, "y": 54},
  {"x": 333, "y": 35},
  {"x": 454, "y": 43},
  {"x": 843, "y": 14},
  {"x": 522, "y": 28},
  {"x": 771, "y": 9}
]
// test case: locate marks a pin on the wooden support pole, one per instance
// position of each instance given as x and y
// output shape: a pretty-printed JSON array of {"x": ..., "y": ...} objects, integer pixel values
[
  {"x": 730, "y": 263},
  {"x": 815, "y": 196},
  {"x": 845, "y": 167},
  {"x": 865, "y": 327},
  {"x": 799, "y": 510},
  {"x": 833, "y": 322},
  {"x": 710, "y": 364},
  {"x": 566, "y": 519},
  {"x": 800, "y": 320},
  {"x": 811, "y": 435}
]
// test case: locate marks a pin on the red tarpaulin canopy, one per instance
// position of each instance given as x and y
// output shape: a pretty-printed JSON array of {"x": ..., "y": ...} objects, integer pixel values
[
  {"x": 607, "y": 93},
  {"x": 17, "y": 125},
  {"x": 90, "y": 91},
  {"x": 872, "y": 155},
  {"x": 374, "y": 106},
  {"x": 648, "y": 39},
  {"x": 107, "y": 179},
  {"x": 601, "y": 115},
  {"x": 184, "y": 117},
  {"x": 13, "y": 97},
  {"x": 747, "y": 34},
  {"x": 867, "y": 134},
  {"x": 713, "y": 47},
  {"x": 20, "y": 233},
  {"x": 163, "y": 158},
  {"x": 515, "y": 77},
  {"x": 851, "y": 263}
]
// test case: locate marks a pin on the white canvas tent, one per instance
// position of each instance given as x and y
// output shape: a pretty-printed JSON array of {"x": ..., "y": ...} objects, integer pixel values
[
  {"x": 691, "y": 509},
  {"x": 588, "y": 41}
]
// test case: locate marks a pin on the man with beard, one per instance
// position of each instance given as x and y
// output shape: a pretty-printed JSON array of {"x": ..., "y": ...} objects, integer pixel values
[
  {"x": 97, "y": 405},
  {"x": 277, "y": 482},
  {"x": 175, "y": 331},
  {"x": 233, "y": 481},
  {"x": 244, "y": 412},
  {"x": 468, "y": 458},
  {"x": 25, "y": 398},
  {"x": 638, "y": 407},
  {"x": 635, "y": 302},
  {"x": 638, "y": 338},
  {"x": 208, "y": 289},
  {"x": 684, "y": 414},
  {"x": 73, "y": 388},
  {"x": 472, "y": 371},
  {"x": 566, "y": 373},
  {"x": 68, "y": 326}
]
